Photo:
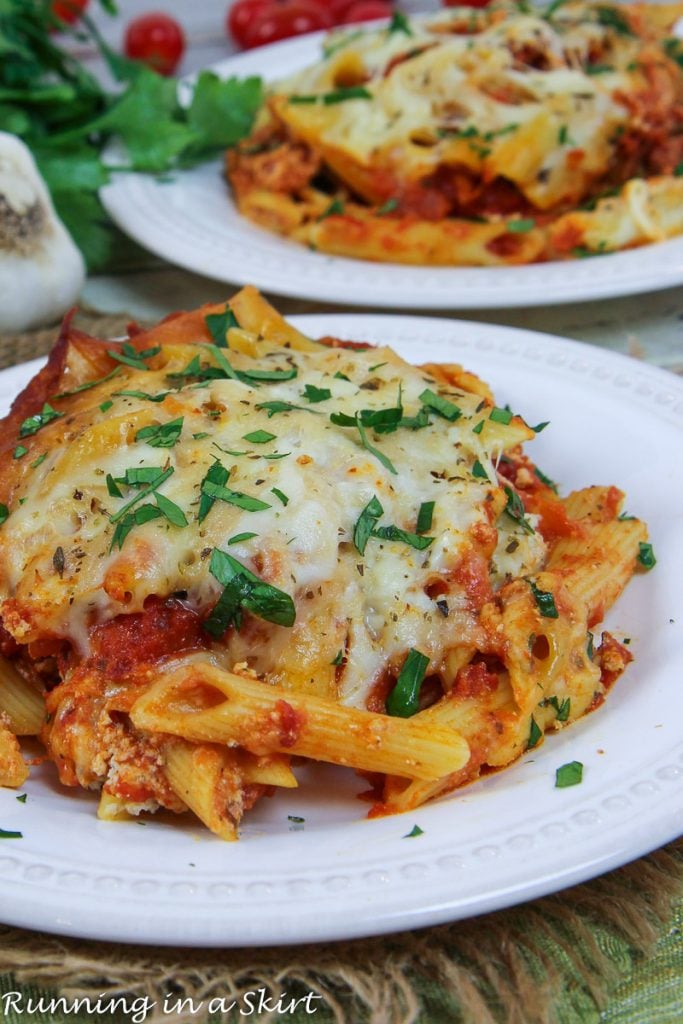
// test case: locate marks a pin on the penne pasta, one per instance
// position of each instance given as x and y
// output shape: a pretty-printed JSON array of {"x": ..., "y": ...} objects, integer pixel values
[{"x": 20, "y": 702}]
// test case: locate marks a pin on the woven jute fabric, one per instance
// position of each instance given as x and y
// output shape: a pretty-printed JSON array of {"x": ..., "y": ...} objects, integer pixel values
[{"x": 607, "y": 952}]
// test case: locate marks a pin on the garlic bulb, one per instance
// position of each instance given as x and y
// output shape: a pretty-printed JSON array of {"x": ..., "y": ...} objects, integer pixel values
[{"x": 41, "y": 270}]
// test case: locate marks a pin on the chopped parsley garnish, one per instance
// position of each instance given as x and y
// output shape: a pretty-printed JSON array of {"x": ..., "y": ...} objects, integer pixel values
[
  {"x": 313, "y": 394},
  {"x": 404, "y": 699},
  {"x": 19, "y": 452},
  {"x": 252, "y": 376},
  {"x": 338, "y": 658},
  {"x": 540, "y": 427},
  {"x": 479, "y": 471},
  {"x": 382, "y": 421},
  {"x": 33, "y": 424},
  {"x": 563, "y": 136},
  {"x": 589, "y": 645},
  {"x": 141, "y": 515},
  {"x": 272, "y": 408},
  {"x": 380, "y": 456},
  {"x": 562, "y": 708},
  {"x": 440, "y": 405},
  {"x": 22, "y": 799},
  {"x": 4, "y": 834},
  {"x": 131, "y": 357},
  {"x": 395, "y": 533},
  {"x": 165, "y": 435},
  {"x": 377, "y": 366},
  {"x": 218, "y": 325},
  {"x": 219, "y": 492},
  {"x": 479, "y": 427},
  {"x": 152, "y": 486},
  {"x": 399, "y": 23},
  {"x": 545, "y": 602},
  {"x": 4, "y": 513},
  {"x": 244, "y": 590},
  {"x": 570, "y": 774},
  {"x": 425, "y": 517},
  {"x": 172, "y": 512},
  {"x": 280, "y": 495},
  {"x": 598, "y": 69},
  {"x": 216, "y": 474},
  {"x": 545, "y": 479},
  {"x": 610, "y": 17},
  {"x": 498, "y": 415},
  {"x": 388, "y": 207},
  {"x": 138, "y": 476},
  {"x": 535, "y": 735},
  {"x": 201, "y": 435},
  {"x": 239, "y": 537},
  {"x": 89, "y": 384},
  {"x": 143, "y": 395},
  {"x": 37, "y": 462},
  {"x": 258, "y": 437},
  {"x": 113, "y": 490},
  {"x": 341, "y": 376},
  {"x": 515, "y": 509},
  {"x": 521, "y": 226},
  {"x": 625, "y": 518},
  {"x": 106, "y": 406},
  {"x": 351, "y": 92},
  {"x": 646, "y": 556},
  {"x": 336, "y": 207},
  {"x": 415, "y": 831},
  {"x": 366, "y": 523}
]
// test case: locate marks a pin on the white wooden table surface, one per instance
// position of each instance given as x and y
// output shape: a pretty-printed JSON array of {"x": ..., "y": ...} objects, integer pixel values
[{"x": 648, "y": 326}]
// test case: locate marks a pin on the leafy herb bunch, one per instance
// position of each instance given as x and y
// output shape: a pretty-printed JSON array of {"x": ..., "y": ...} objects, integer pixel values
[{"x": 67, "y": 117}]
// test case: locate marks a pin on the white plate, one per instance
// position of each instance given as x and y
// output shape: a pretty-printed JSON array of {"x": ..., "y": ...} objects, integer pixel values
[
  {"x": 507, "y": 838},
  {"x": 192, "y": 221}
]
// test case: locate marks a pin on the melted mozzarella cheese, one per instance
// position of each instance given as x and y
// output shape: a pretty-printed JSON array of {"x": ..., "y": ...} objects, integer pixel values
[{"x": 315, "y": 477}]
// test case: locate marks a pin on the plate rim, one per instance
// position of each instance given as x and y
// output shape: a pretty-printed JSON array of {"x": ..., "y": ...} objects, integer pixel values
[{"x": 87, "y": 922}]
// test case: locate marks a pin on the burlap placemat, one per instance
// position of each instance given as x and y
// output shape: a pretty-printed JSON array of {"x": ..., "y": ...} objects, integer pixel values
[{"x": 608, "y": 951}]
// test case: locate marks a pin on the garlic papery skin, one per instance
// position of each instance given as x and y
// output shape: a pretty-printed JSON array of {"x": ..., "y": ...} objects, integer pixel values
[{"x": 41, "y": 270}]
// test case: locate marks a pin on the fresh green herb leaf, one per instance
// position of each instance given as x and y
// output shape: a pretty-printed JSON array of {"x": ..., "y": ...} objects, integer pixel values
[
  {"x": 89, "y": 384},
  {"x": 562, "y": 708},
  {"x": 388, "y": 207},
  {"x": 313, "y": 394},
  {"x": 4, "y": 513},
  {"x": 625, "y": 518},
  {"x": 218, "y": 325},
  {"x": 395, "y": 533},
  {"x": 165, "y": 435},
  {"x": 330, "y": 48},
  {"x": 338, "y": 658},
  {"x": 129, "y": 356},
  {"x": 106, "y": 406},
  {"x": 479, "y": 471},
  {"x": 440, "y": 405},
  {"x": 245, "y": 590},
  {"x": 545, "y": 601},
  {"x": 414, "y": 832},
  {"x": 138, "y": 476},
  {"x": 589, "y": 645},
  {"x": 221, "y": 493},
  {"x": 570, "y": 774},
  {"x": 22, "y": 799},
  {"x": 249, "y": 376},
  {"x": 404, "y": 699},
  {"x": 341, "y": 376},
  {"x": 336, "y": 208},
  {"x": 479, "y": 427},
  {"x": 240, "y": 537},
  {"x": 535, "y": 735},
  {"x": 33, "y": 424},
  {"x": 380, "y": 456},
  {"x": 610, "y": 17},
  {"x": 142, "y": 395},
  {"x": 152, "y": 486},
  {"x": 540, "y": 427},
  {"x": 258, "y": 437},
  {"x": 19, "y": 452},
  {"x": 646, "y": 556},
  {"x": 598, "y": 69},
  {"x": 280, "y": 495},
  {"x": 425, "y": 517},
  {"x": 515, "y": 509},
  {"x": 4, "y": 834},
  {"x": 200, "y": 436},
  {"x": 545, "y": 479},
  {"x": 366, "y": 523},
  {"x": 399, "y": 23},
  {"x": 521, "y": 226},
  {"x": 277, "y": 406},
  {"x": 141, "y": 515},
  {"x": 112, "y": 488},
  {"x": 170, "y": 510},
  {"x": 498, "y": 415}
]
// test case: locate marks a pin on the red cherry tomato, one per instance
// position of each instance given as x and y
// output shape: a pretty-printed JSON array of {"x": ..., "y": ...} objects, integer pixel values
[
  {"x": 367, "y": 10},
  {"x": 69, "y": 11},
  {"x": 241, "y": 18},
  {"x": 465, "y": 3},
  {"x": 338, "y": 9},
  {"x": 156, "y": 40},
  {"x": 257, "y": 22}
]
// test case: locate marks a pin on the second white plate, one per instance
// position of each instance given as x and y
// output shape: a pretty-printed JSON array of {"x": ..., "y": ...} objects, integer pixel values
[{"x": 192, "y": 222}]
